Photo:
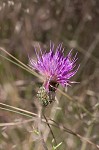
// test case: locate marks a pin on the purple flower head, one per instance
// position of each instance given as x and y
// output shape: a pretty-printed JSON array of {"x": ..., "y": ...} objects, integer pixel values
[{"x": 54, "y": 67}]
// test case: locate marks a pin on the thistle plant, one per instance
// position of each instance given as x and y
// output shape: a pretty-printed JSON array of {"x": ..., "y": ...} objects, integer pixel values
[
  {"x": 33, "y": 64},
  {"x": 56, "y": 69}
]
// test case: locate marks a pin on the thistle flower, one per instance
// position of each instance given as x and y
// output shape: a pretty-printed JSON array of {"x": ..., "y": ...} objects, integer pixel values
[{"x": 54, "y": 67}]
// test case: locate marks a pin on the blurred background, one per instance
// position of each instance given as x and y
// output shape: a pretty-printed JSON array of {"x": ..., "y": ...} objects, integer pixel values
[{"x": 24, "y": 24}]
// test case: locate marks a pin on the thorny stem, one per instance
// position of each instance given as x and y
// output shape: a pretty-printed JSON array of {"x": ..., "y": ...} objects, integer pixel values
[
  {"x": 49, "y": 128},
  {"x": 40, "y": 132}
]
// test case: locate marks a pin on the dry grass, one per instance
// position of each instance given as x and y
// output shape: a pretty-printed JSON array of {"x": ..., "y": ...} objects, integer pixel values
[{"x": 71, "y": 122}]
